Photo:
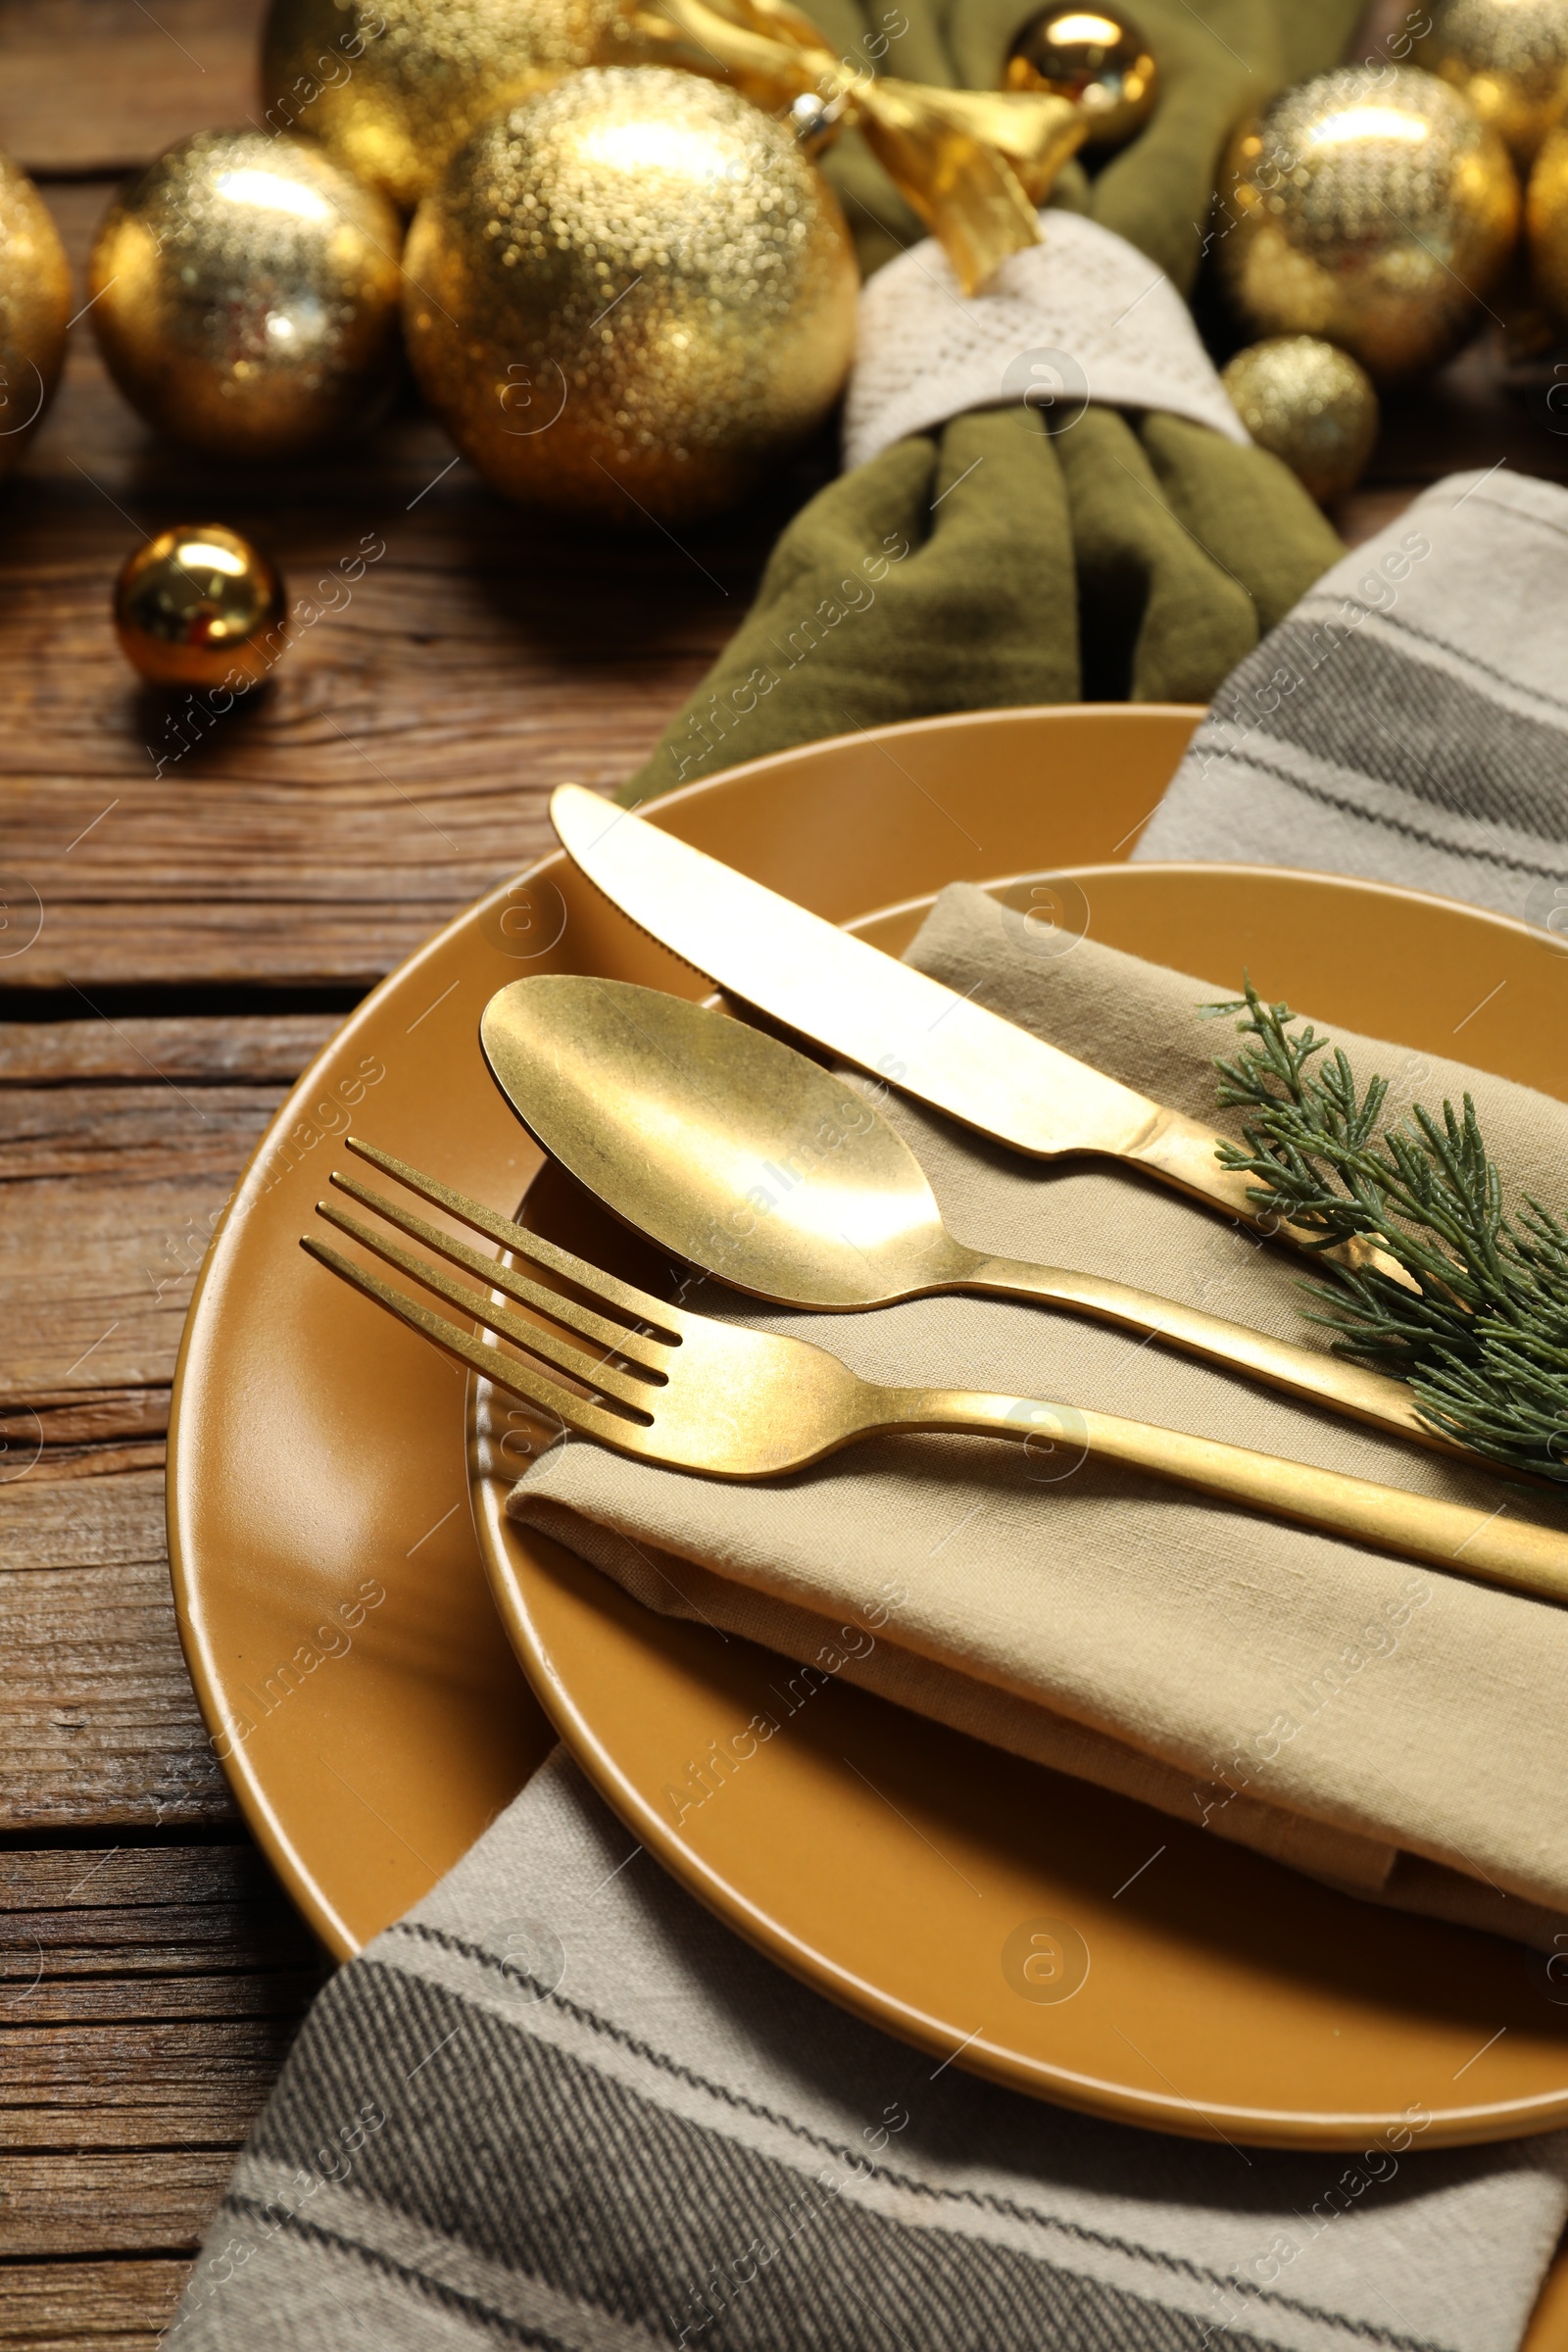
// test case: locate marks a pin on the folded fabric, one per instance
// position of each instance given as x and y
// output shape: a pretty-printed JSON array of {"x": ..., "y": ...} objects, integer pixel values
[
  {"x": 995, "y": 561},
  {"x": 1409, "y": 720},
  {"x": 988, "y": 560},
  {"x": 560, "y": 2105},
  {"x": 1374, "y": 1723}
]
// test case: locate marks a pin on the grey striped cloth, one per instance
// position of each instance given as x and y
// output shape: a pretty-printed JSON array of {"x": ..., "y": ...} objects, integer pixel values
[
  {"x": 1409, "y": 720},
  {"x": 560, "y": 2105}
]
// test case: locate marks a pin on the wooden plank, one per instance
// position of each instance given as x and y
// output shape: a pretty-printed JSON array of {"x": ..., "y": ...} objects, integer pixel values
[
  {"x": 90, "y": 1433},
  {"x": 128, "y": 2201},
  {"x": 153, "y": 78},
  {"x": 189, "y": 1051},
  {"x": 77, "y": 1883},
  {"x": 114, "y": 1192},
  {"x": 42, "y": 1949},
  {"x": 100, "y": 1724},
  {"x": 68, "y": 2306},
  {"x": 136, "y": 2087},
  {"x": 58, "y": 1133},
  {"x": 112, "y": 1195},
  {"x": 148, "y": 1996},
  {"x": 206, "y": 1996}
]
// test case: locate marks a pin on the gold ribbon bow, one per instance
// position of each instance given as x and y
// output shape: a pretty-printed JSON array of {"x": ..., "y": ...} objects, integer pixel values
[{"x": 974, "y": 164}]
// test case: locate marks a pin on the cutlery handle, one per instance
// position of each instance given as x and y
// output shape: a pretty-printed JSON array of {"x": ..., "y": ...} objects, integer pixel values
[
  {"x": 1309, "y": 1372},
  {"x": 1181, "y": 1151},
  {"x": 1448, "y": 1534}
]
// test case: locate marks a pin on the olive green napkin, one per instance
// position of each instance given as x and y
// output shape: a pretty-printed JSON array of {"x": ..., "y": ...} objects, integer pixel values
[
  {"x": 1135, "y": 558},
  {"x": 1381, "y": 1725},
  {"x": 1217, "y": 66}
]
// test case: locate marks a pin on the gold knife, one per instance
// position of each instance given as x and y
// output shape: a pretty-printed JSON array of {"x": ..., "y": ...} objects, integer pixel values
[{"x": 886, "y": 1017}]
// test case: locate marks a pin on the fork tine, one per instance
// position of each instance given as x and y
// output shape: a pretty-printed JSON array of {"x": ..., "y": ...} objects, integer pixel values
[
  {"x": 518, "y": 1380},
  {"x": 608, "y": 1338},
  {"x": 564, "y": 1355},
  {"x": 606, "y": 1287}
]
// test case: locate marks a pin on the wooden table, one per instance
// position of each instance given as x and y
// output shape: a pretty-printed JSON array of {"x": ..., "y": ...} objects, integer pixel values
[{"x": 203, "y": 933}]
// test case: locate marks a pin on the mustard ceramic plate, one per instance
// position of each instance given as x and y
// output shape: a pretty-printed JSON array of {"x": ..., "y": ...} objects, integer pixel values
[{"x": 360, "y": 1683}]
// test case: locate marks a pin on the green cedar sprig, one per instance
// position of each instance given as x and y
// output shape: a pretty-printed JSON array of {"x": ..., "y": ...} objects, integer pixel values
[{"x": 1480, "y": 1328}]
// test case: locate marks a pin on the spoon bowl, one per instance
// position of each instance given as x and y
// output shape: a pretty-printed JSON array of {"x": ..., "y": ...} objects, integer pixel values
[{"x": 728, "y": 1149}]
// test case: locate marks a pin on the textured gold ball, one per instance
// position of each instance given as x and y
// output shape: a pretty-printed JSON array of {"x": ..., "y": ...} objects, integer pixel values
[
  {"x": 628, "y": 296},
  {"x": 393, "y": 86},
  {"x": 199, "y": 606},
  {"x": 1309, "y": 403},
  {"x": 1510, "y": 57},
  {"x": 1369, "y": 207},
  {"x": 34, "y": 306},
  {"x": 1098, "y": 59},
  {"x": 245, "y": 295}
]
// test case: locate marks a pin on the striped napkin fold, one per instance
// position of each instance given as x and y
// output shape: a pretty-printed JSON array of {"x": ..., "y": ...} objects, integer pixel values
[
  {"x": 1409, "y": 720},
  {"x": 560, "y": 2105}
]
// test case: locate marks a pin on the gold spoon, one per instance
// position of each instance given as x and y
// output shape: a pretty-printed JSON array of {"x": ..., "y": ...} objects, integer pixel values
[{"x": 747, "y": 1160}]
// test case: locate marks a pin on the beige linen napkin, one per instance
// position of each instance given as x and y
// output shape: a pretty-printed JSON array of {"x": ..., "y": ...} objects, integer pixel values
[{"x": 1382, "y": 1725}]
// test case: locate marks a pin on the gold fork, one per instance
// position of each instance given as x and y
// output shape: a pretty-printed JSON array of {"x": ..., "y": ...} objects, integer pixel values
[{"x": 672, "y": 1386}]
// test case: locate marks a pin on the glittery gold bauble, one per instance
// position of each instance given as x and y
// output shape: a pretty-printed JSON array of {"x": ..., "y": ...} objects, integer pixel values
[
  {"x": 1099, "y": 60},
  {"x": 1510, "y": 57},
  {"x": 1309, "y": 403},
  {"x": 629, "y": 295},
  {"x": 245, "y": 294},
  {"x": 199, "y": 606},
  {"x": 1372, "y": 208},
  {"x": 34, "y": 305},
  {"x": 393, "y": 86}
]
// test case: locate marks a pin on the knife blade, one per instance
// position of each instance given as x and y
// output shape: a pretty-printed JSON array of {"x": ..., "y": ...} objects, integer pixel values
[{"x": 889, "y": 1019}]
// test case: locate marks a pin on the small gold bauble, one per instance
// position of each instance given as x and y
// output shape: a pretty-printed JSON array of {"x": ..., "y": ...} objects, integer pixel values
[
  {"x": 1369, "y": 207},
  {"x": 245, "y": 295},
  {"x": 1510, "y": 57},
  {"x": 1098, "y": 59},
  {"x": 1309, "y": 403},
  {"x": 393, "y": 86},
  {"x": 34, "y": 306},
  {"x": 628, "y": 296},
  {"x": 199, "y": 606}
]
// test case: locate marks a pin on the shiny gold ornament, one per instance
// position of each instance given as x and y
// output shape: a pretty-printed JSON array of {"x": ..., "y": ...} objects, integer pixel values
[
  {"x": 1369, "y": 207},
  {"x": 34, "y": 305},
  {"x": 199, "y": 606},
  {"x": 1510, "y": 57},
  {"x": 973, "y": 164},
  {"x": 393, "y": 86},
  {"x": 1309, "y": 403},
  {"x": 631, "y": 295},
  {"x": 245, "y": 295},
  {"x": 1100, "y": 62}
]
